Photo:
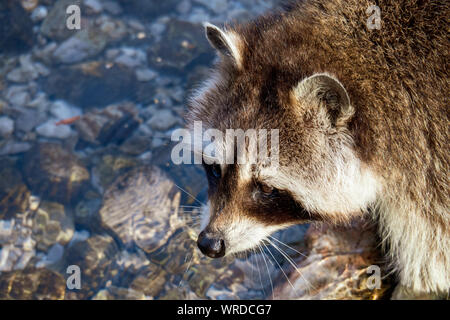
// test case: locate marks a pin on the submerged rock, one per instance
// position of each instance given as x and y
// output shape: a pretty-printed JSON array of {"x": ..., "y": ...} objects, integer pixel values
[
  {"x": 52, "y": 225},
  {"x": 32, "y": 284},
  {"x": 54, "y": 173},
  {"x": 339, "y": 263},
  {"x": 92, "y": 84},
  {"x": 54, "y": 25},
  {"x": 114, "y": 124},
  {"x": 182, "y": 46},
  {"x": 84, "y": 44},
  {"x": 141, "y": 207},
  {"x": 16, "y": 27},
  {"x": 17, "y": 247},
  {"x": 109, "y": 167},
  {"x": 148, "y": 8},
  {"x": 14, "y": 194},
  {"x": 94, "y": 257}
]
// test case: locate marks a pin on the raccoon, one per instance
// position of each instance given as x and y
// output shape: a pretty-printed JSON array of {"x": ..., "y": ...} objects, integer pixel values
[{"x": 363, "y": 124}]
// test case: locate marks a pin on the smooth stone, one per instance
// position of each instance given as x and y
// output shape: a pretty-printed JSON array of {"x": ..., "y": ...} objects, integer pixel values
[
  {"x": 145, "y": 75},
  {"x": 18, "y": 95},
  {"x": 84, "y": 44},
  {"x": 54, "y": 173},
  {"x": 141, "y": 207},
  {"x": 162, "y": 120},
  {"x": 62, "y": 110},
  {"x": 54, "y": 25},
  {"x": 14, "y": 147},
  {"x": 6, "y": 126},
  {"x": 49, "y": 129},
  {"x": 32, "y": 284}
]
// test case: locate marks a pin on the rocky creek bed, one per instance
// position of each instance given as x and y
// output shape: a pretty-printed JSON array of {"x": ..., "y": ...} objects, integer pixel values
[{"x": 102, "y": 194}]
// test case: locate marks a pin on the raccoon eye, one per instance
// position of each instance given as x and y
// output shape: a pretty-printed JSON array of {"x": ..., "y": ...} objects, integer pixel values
[{"x": 213, "y": 170}]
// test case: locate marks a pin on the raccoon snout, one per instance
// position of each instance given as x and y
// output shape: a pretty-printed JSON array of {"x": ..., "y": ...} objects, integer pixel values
[{"x": 210, "y": 245}]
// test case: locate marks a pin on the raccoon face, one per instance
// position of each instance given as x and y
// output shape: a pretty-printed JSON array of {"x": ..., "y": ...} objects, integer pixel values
[{"x": 317, "y": 175}]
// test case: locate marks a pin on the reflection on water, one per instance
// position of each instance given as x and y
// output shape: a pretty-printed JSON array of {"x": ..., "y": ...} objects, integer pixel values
[{"x": 86, "y": 178}]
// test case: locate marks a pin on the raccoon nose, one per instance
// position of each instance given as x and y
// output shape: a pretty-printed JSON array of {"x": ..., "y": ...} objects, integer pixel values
[{"x": 210, "y": 246}]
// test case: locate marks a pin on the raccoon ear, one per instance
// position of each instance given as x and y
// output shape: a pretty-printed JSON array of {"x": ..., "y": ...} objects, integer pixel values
[
  {"x": 226, "y": 42},
  {"x": 331, "y": 93}
]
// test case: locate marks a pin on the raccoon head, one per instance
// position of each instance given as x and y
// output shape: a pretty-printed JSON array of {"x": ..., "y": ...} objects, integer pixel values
[{"x": 317, "y": 175}]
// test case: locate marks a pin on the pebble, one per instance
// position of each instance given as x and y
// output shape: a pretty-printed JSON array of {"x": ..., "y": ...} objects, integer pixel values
[
  {"x": 94, "y": 6},
  {"x": 17, "y": 95},
  {"x": 83, "y": 45},
  {"x": 131, "y": 57},
  {"x": 50, "y": 130},
  {"x": 216, "y": 6},
  {"x": 6, "y": 126},
  {"x": 62, "y": 110},
  {"x": 14, "y": 147},
  {"x": 39, "y": 13},
  {"x": 163, "y": 120},
  {"x": 112, "y": 7},
  {"x": 145, "y": 75}
]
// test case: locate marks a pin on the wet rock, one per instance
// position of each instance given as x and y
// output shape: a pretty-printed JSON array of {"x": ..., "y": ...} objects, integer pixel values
[
  {"x": 190, "y": 177},
  {"x": 16, "y": 27},
  {"x": 6, "y": 126},
  {"x": 113, "y": 124},
  {"x": 112, "y": 7},
  {"x": 149, "y": 8},
  {"x": 243, "y": 279},
  {"x": 28, "y": 119},
  {"x": 131, "y": 57},
  {"x": 109, "y": 167},
  {"x": 29, "y": 5},
  {"x": 85, "y": 44},
  {"x": 116, "y": 293},
  {"x": 92, "y": 84},
  {"x": 93, "y": 6},
  {"x": 182, "y": 46},
  {"x": 11, "y": 147},
  {"x": 26, "y": 72},
  {"x": 49, "y": 129},
  {"x": 141, "y": 207},
  {"x": 14, "y": 194},
  {"x": 17, "y": 247},
  {"x": 145, "y": 75},
  {"x": 18, "y": 95},
  {"x": 163, "y": 120},
  {"x": 53, "y": 256},
  {"x": 39, "y": 14},
  {"x": 54, "y": 26},
  {"x": 404, "y": 293},
  {"x": 336, "y": 265},
  {"x": 55, "y": 173},
  {"x": 216, "y": 6},
  {"x": 137, "y": 144},
  {"x": 94, "y": 257},
  {"x": 51, "y": 225},
  {"x": 62, "y": 110},
  {"x": 32, "y": 284},
  {"x": 179, "y": 253},
  {"x": 150, "y": 281}
]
